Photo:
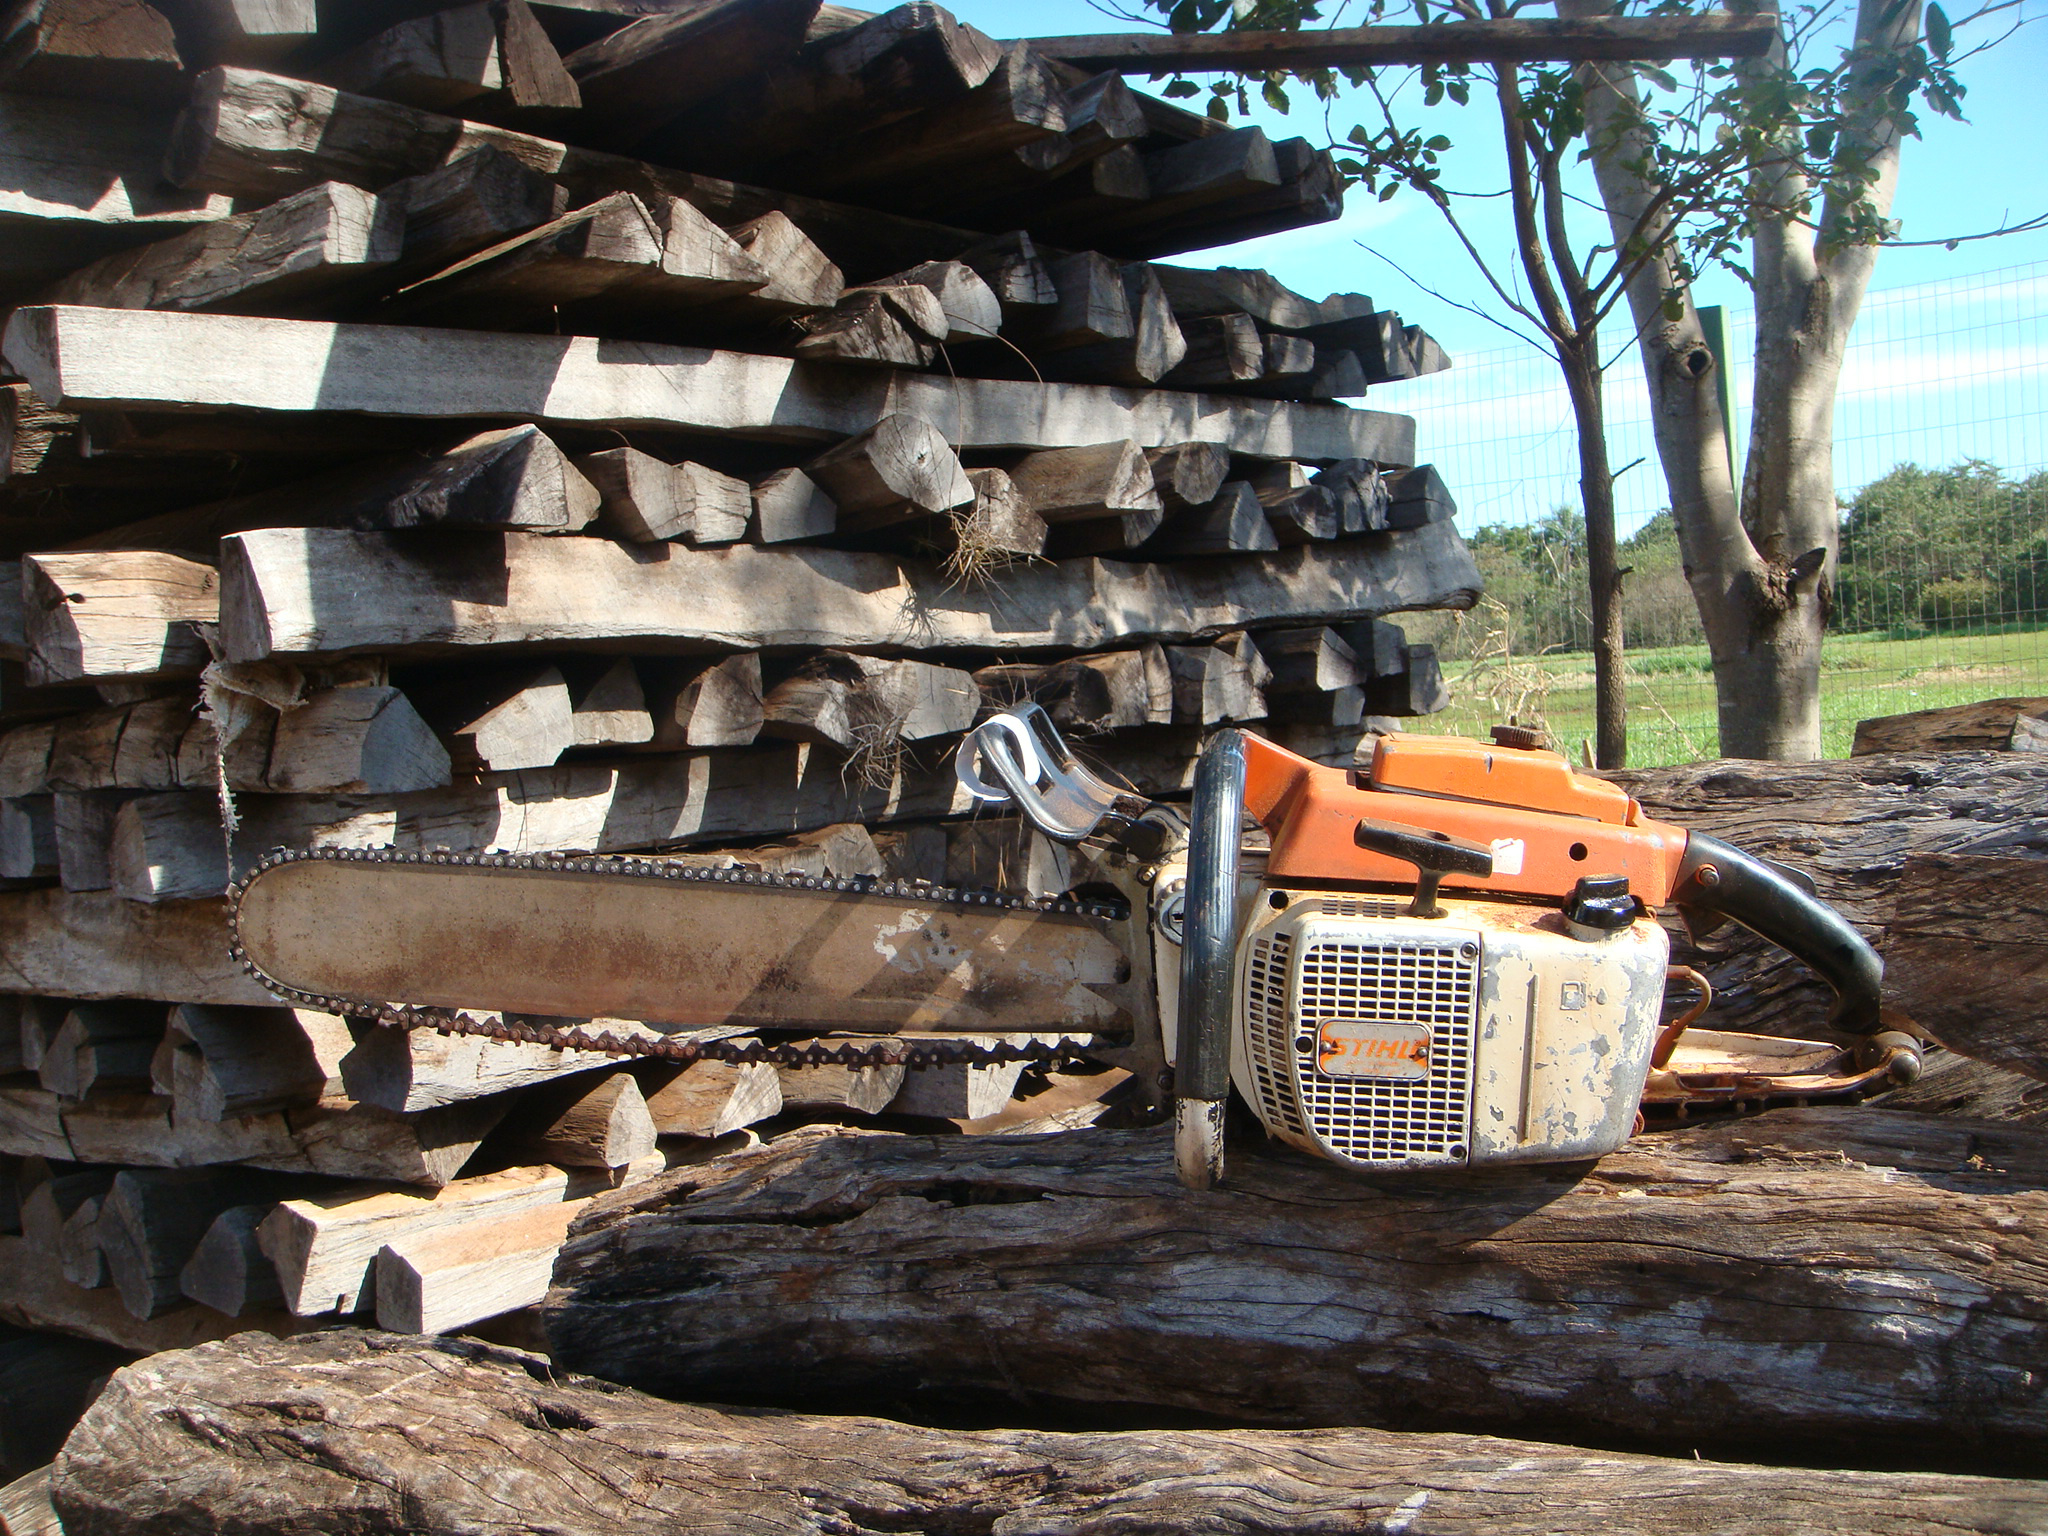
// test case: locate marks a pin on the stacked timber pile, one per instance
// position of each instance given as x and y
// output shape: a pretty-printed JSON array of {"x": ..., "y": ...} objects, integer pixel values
[{"x": 411, "y": 436}]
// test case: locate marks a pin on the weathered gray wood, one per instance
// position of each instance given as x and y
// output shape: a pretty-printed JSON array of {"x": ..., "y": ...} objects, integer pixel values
[
  {"x": 998, "y": 528},
  {"x": 847, "y": 80},
  {"x": 170, "y": 847},
  {"x": 92, "y": 359},
  {"x": 1223, "y": 351},
  {"x": 275, "y": 260},
  {"x": 228, "y": 1062},
  {"x": 1187, "y": 474},
  {"x": 709, "y": 1099},
  {"x": 1110, "y": 480},
  {"x": 406, "y": 1071},
  {"x": 901, "y": 467},
  {"x": 227, "y": 1270},
  {"x": 442, "y": 1282},
  {"x": 641, "y": 501},
  {"x": 152, "y": 1221},
  {"x": 61, "y": 944},
  {"x": 1089, "y": 694},
  {"x": 789, "y": 504},
  {"x": 658, "y": 68},
  {"x": 122, "y": 50},
  {"x": 1417, "y": 689},
  {"x": 1012, "y": 267},
  {"x": 864, "y": 1090},
  {"x": 608, "y": 707},
  {"x": 590, "y": 1120},
  {"x": 367, "y": 740},
  {"x": 324, "y": 1246},
  {"x": 303, "y": 592},
  {"x": 1775, "y": 1231},
  {"x": 104, "y": 1046},
  {"x": 714, "y": 706},
  {"x": 476, "y": 200},
  {"x": 866, "y": 702},
  {"x": 616, "y": 254},
  {"x": 1091, "y": 305},
  {"x": 1955, "y": 1085},
  {"x": 800, "y": 275},
  {"x": 869, "y": 327},
  {"x": 1237, "y": 290},
  {"x": 25, "y": 1507},
  {"x": 58, "y": 1217},
  {"x": 85, "y": 837},
  {"x": 1313, "y": 660},
  {"x": 972, "y": 310},
  {"x": 510, "y": 477},
  {"x": 1987, "y": 726},
  {"x": 956, "y": 1092},
  {"x": 488, "y": 56},
  {"x": 1215, "y": 683},
  {"x": 446, "y": 1434},
  {"x": 105, "y": 616},
  {"x": 34, "y": 1294},
  {"x": 515, "y": 719},
  {"x": 1233, "y": 522},
  {"x": 1966, "y": 955}
]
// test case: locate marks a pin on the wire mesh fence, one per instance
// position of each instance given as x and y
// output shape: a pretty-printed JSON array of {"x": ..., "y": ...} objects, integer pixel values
[{"x": 1941, "y": 469}]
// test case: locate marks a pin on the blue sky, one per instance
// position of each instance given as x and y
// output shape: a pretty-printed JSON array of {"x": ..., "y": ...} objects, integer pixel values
[{"x": 1958, "y": 179}]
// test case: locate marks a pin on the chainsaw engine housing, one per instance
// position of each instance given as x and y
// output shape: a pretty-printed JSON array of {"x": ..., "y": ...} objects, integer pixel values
[{"x": 1492, "y": 1034}]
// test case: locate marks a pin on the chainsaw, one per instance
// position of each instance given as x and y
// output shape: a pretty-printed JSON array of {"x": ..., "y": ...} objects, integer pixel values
[{"x": 1443, "y": 958}]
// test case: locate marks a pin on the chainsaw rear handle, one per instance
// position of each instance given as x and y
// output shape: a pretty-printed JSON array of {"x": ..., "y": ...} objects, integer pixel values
[
  {"x": 1719, "y": 880},
  {"x": 1208, "y": 962}
]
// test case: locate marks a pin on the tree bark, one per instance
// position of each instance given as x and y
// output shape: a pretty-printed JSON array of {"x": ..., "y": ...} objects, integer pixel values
[
  {"x": 369, "y": 1433},
  {"x": 1832, "y": 1283}
]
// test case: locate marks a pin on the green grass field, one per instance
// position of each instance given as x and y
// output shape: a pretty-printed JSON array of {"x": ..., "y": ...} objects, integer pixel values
[{"x": 1671, "y": 690}]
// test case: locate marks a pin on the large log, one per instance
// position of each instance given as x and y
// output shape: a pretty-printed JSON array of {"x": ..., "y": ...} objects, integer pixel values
[
  {"x": 1851, "y": 826},
  {"x": 88, "y": 359},
  {"x": 34, "y": 1294},
  {"x": 1966, "y": 955},
  {"x": 1990, "y": 725},
  {"x": 378, "y": 1434},
  {"x": 1839, "y": 1282},
  {"x": 290, "y": 592},
  {"x": 491, "y": 54}
]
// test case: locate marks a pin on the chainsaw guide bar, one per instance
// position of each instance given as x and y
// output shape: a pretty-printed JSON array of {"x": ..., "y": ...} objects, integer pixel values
[{"x": 901, "y": 955}]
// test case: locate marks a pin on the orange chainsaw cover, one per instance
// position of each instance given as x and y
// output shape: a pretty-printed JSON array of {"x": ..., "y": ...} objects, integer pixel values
[{"x": 1546, "y": 824}]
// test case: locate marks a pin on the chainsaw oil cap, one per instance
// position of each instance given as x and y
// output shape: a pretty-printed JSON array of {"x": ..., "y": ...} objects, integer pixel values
[{"x": 1601, "y": 903}]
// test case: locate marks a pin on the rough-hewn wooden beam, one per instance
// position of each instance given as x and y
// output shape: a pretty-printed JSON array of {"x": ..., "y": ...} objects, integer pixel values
[
  {"x": 1709, "y": 36},
  {"x": 305, "y": 592},
  {"x": 117, "y": 360}
]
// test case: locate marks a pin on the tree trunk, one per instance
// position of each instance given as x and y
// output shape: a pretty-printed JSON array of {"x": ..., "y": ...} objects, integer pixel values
[
  {"x": 1596, "y": 490},
  {"x": 377, "y": 1435},
  {"x": 1827, "y": 1283}
]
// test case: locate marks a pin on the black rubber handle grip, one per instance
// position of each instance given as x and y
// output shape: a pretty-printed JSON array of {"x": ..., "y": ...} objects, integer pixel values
[{"x": 1719, "y": 879}]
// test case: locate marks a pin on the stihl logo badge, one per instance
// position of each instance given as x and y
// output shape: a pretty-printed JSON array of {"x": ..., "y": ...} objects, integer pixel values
[{"x": 1361, "y": 1048}]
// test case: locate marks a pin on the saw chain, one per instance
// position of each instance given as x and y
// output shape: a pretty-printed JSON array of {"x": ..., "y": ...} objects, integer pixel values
[{"x": 885, "y": 1051}]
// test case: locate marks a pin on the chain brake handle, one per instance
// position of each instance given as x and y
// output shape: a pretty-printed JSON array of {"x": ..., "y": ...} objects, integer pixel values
[{"x": 1036, "y": 771}]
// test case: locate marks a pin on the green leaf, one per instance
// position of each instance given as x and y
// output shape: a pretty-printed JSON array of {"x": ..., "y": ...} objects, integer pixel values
[
  {"x": 1274, "y": 97},
  {"x": 1219, "y": 109},
  {"x": 1436, "y": 141},
  {"x": 1389, "y": 190},
  {"x": 1182, "y": 88}
]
